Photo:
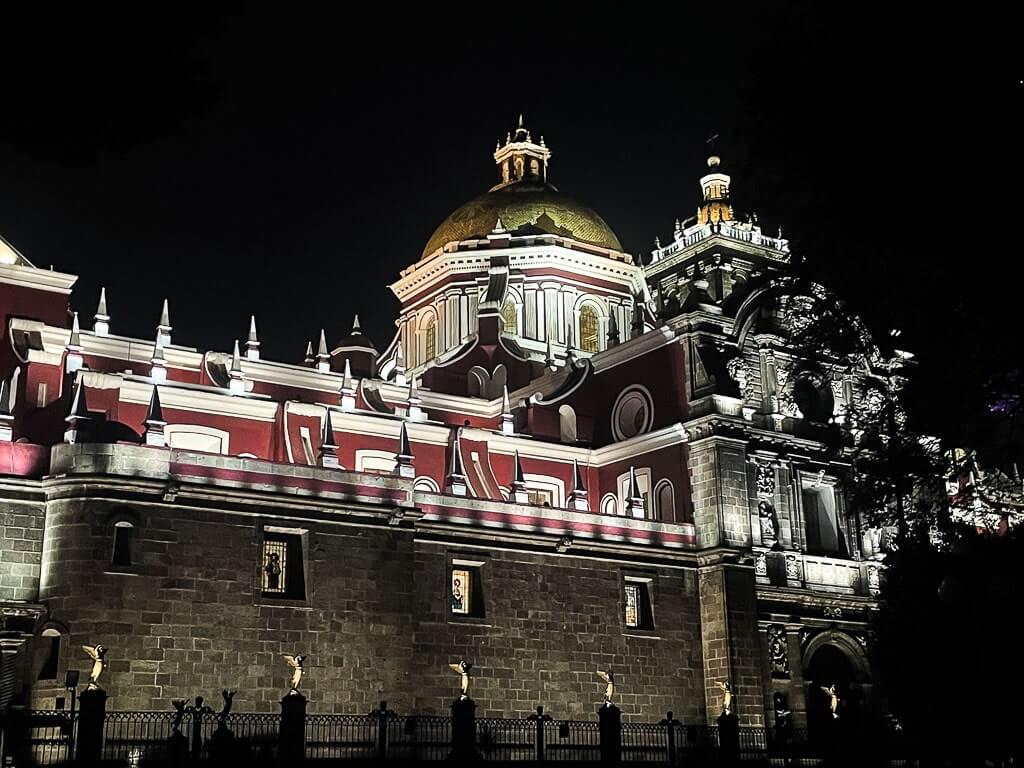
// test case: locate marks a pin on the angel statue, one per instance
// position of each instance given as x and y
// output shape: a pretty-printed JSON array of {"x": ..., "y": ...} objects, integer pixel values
[
  {"x": 295, "y": 663},
  {"x": 833, "y": 700},
  {"x": 462, "y": 668},
  {"x": 98, "y": 654},
  {"x": 727, "y": 701},
  {"x": 609, "y": 691}
]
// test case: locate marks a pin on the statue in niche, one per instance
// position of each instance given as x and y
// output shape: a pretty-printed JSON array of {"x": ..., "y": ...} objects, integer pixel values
[
  {"x": 727, "y": 697},
  {"x": 783, "y": 716},
  {"x": 769, "y": 523},
  {"x": 777, "y": 651},
  {"x": 737, "y": 369},
  {"x": 273, "y": 571},
  {"x": 833, "y": 700},
  {"x": 520, "y": 167}
]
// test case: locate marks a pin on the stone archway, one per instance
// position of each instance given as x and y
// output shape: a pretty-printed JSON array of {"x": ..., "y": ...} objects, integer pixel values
[{"x": 833, "y": 657}]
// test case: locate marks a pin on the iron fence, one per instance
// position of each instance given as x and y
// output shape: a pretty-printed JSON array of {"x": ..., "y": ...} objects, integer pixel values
[{"x": 141, "y": 738}]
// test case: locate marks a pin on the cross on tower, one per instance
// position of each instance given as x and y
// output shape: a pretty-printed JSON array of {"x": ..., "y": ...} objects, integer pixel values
[{"x": 711, "y": 141}]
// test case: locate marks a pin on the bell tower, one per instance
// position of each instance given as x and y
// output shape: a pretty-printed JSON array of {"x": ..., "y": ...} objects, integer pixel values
[{"x": 521, "y": 159}]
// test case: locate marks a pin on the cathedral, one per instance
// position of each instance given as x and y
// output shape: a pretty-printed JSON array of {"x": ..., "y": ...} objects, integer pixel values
[{"x": 566, "y": 459}]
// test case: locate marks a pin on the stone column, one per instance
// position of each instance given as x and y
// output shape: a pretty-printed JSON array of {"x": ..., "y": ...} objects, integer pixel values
[
  {"x": 91, "y": 715},
  {"x": 610, "y": 727},
  {"x": 463, "y": 729},
  {"x": 292, "y": 736}
]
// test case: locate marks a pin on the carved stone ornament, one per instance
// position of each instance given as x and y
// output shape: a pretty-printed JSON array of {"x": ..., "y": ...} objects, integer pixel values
[
  {"x": 761, "y": 564},
  {"x": 738, "y": 371},
  {"x": 792, "y": 567},
  {"x": 765, "y": 482},
  {"x": 833, "y": 612},
  {"x": 777, "y": 655}
]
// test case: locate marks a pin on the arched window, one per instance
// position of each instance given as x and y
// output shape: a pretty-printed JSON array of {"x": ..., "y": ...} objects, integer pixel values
[
  {"x": 509, "y": 318},
  {"x": 589, "y": 329},
  {"x": 122, "y": 554},
  {"x": 664, "y": 501},
  {"x": 49, "y": 654},
  {"x": 567, "y": 424},
  {"x": 608, "y": 505},
  {"x": 429, "y": 329}
]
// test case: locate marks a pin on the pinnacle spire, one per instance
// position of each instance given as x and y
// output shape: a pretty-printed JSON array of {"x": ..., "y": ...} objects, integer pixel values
[
  {"x": 455, "y": 483},
  {"x": 578, "y": 495},
  {"x": 356, "y": 328},
  {"x": 518, "y": 494},
  {"x": 154, "y": 421},
  {"x": 252, "y": 344},
  {"x": 404, "y": 448},
  {"x": 236, "y": 359},
  {"x": 79, "y": 413},
  {"x": 328, "y": 454},
  {"x": 635, "y": 504},
  {"x": 74, "y": 361},
  {"x": 348, "y": 388},
  {"x": 507, "y": 418},
  {"x": 163, "y": 328},
  {"x": 323, "y": 357},
  {"x": 308, "y": 359},
  {"x": 155, "y": 412},
  {"x": 101, "y": 320}
]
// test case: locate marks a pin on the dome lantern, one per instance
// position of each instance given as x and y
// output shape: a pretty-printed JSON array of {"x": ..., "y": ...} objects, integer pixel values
[{"x": 522, "y": 159}]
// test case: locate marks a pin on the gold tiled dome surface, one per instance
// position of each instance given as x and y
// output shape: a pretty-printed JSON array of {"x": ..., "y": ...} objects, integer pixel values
[{"x": 527, "y": 206}]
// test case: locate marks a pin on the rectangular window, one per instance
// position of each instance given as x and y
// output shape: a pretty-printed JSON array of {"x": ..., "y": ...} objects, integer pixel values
[
  {"x": 466, "y": 597},
  {"x": 282, "y": 566},
  {"x": 824, "y": 536},
  {"x": 51, "y": 649},
  {"x": 639, "y": 613},
  {"x": 122, "y": 555},
  {"x": 539, "y": 497}
]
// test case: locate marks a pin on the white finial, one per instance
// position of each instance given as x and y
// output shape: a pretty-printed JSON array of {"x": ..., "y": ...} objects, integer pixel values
[
  {"x": 101, "y": 320},
  {"x": 308, "y": 359},
  {"x": 163, "y": 330},
  {"x": 237, "y": 378},
  {"x": 74, "y": 360},
  {"x": 355, "y": 325},
  {"x": 348, "y": 389},
  {"x": 323, "y": 357},
  {"x": 414, "y": 412},
  {"x": 400, "y": 364},
  {"x": 252, "y": 344}
]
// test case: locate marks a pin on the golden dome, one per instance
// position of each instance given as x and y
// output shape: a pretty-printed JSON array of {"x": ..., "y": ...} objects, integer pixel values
[{"x": 524, "y": 207}]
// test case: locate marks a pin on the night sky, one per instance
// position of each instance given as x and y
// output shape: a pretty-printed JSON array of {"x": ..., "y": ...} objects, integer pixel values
[{"x": 250, "y": 159}]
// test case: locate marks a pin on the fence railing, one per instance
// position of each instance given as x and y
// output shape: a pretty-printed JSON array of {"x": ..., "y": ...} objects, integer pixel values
[{"x": 141, "y": 738}]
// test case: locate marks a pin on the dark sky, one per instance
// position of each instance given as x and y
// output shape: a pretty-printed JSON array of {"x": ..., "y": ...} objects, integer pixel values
[{"x": 256, "y": 159}]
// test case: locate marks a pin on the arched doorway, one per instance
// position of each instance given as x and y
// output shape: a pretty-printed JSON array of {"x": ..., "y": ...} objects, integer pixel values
[{"x": 835, "y": 660}]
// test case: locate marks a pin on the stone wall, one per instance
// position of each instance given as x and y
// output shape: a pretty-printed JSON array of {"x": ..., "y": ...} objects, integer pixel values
[
  {"x": 186, "y": 618},
  {"x": 21, "y": 549}
]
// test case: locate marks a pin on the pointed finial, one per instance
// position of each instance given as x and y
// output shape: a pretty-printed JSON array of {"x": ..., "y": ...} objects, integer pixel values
[
  {"x": 308, "y": 359},
  {"x": 635, "y": 500},
  {"x": 154, "y": 421},
  {"x": 323, "y": 357},
  {"x": 236, "y": 359},
  {"x": 657, "y": 242},
  {"x": 75, "y": 341},
  {"x": 356, "y": 329},
  {"x": 348, "y": 388},
  {"x": 163, "y": 329},
  {"x": 404, "y": 447},
  {"x": 252, "y": 344},
  {"x": 79, "y": 412},
  {"x": 328, "y": 454},
  {"x": 456, "y": 480},
  {"x": 507, "y": 419},
  {"x": 578, "y": 500},
  {"x": 327, "y": 438},
  {"x": 154, "y": 412},
  {"x": 101, "y": 320},
  {"x": 520, "y": 120},
  {"x": 519, "y": 494}
]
